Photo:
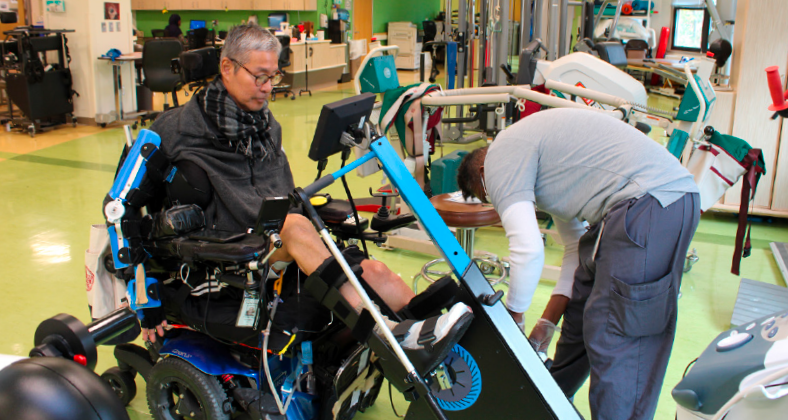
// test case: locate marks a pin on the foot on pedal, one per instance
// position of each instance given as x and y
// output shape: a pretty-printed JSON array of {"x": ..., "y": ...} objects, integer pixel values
[{"x": 428, "y": 342}]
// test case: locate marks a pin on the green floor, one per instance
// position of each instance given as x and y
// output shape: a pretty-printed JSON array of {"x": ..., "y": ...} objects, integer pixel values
[{"x": 49, "y": 197}]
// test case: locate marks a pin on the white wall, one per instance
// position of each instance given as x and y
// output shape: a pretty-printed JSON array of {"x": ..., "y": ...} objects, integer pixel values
[
  {"x": 101, "y": 42},
  {"x": 79, "y": 47},
  {"x": 93, "y": 77}
]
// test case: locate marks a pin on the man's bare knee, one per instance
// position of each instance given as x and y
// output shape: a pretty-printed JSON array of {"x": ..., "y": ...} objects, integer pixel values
[{"x": 375, "y": 271}]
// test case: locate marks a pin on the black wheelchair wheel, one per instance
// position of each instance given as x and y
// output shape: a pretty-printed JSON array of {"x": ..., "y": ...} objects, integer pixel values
[
  {"x": 122, "y": 382},
  {"x": 177, "y": 391}
]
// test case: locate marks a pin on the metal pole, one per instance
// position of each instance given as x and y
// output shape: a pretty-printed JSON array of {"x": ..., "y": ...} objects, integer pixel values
[
  {"x": 538, "y": 6},
  {"x": 503, "y": 42},
  {"x": 562, "y": 35},
  {"x": 554, "y": 15},
  {"x": 482, "y": 39},
  {"x": 447, "y": 22},
  {"x": 462, "y": 35},
  {"x": 599, "y": 16},
  {"x": 525, "y": 23},
  {"x": 615, "y": 19}
]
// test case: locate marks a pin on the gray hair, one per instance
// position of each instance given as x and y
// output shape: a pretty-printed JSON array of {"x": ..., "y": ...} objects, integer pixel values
[{"x": 243, "y": 39}]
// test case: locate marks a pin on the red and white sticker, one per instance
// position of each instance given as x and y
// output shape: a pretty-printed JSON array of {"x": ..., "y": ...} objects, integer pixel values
[
  {"x": 90, "y": 278},
  {"x": 588, "y": 102}
]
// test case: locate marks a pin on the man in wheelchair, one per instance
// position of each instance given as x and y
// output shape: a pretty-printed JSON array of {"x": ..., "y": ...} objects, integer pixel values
[{"x": 221, "y": 156}]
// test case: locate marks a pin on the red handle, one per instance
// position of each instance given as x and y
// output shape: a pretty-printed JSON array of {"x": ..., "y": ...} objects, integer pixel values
[
  {"x": 627, "y": 8},
  {"x": 776, "y": 89}
]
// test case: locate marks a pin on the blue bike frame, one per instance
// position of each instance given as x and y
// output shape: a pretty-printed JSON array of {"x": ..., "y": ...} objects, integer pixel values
[{"x": 468, "y": 273}]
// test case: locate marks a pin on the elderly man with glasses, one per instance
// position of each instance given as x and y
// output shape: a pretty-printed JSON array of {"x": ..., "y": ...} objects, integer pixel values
[{"x": 228, "y": 145}]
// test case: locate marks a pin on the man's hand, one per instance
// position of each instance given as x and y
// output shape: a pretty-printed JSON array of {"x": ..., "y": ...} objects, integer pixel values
[
  {"x": 149, "y": 334},
  {"x": 542, "y": 334},
  {"x": 153, "y": 322}
]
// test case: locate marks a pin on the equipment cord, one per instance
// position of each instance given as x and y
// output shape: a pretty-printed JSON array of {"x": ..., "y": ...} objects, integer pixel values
[{"x": 359, "y": 232}]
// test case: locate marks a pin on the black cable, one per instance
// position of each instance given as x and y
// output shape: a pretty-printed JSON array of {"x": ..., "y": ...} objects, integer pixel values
[
  {"x": 394, "y": 409},
  {"x": 688, "y": 366},
  {"x": 353, "y": 206}
]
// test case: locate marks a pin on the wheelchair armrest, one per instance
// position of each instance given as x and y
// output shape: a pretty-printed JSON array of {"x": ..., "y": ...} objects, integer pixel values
[{"x": 240, "y": 249}]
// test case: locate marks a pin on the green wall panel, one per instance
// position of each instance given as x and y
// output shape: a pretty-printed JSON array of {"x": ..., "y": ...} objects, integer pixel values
[{"x": 416, "y": 11}]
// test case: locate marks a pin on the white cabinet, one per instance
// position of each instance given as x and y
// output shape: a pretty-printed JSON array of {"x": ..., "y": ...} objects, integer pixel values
[{"x": 405, "y": 36}]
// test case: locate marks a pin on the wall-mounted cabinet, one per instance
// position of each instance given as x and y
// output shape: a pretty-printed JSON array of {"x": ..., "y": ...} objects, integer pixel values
[
  {"x": 148, "y": 4},
  {"x": 261, "y": 4},
  {"x": 287, "y": 5},
  {"x": 224, "y": 4}
]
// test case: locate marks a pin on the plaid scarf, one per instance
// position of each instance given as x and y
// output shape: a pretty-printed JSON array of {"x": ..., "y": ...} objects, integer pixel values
[{"x": 246, "y": 131}]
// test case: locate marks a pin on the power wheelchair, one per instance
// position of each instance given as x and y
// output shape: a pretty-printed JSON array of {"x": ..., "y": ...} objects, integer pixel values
[{"x": 240, "y": 331}]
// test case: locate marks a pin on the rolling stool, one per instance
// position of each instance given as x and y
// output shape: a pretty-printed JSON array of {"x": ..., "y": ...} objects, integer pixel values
[{"x": 465, "y": 218}]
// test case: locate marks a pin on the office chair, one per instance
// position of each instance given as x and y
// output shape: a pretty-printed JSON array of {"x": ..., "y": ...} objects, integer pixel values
[
  {"x": 430, "y": 31},
  {"x": 196, "y": 38},
  {"x": 157, "y": 56},
  {"x": 284, "y": 61},
  {"x": 157, "y": 33}
]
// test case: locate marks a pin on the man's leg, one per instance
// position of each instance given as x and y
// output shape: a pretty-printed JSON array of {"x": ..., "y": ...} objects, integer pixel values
[
  {"x": 630, "y": 316},
  {"x": 425, "y": 342},
  {"x": 570, "y": 366},
  {"x": 303, "y": 245}
]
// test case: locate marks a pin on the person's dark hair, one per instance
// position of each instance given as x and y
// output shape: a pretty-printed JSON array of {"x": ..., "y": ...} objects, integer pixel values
[
  {"x": 468, "y": 172},
  {"x": 175, "y": 19}
]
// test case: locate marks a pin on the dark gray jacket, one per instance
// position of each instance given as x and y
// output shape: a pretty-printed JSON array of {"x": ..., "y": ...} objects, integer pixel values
[{"x": 239, "y": 183}]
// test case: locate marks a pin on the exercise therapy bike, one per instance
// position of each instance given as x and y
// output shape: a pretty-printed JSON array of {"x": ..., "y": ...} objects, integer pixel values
[{"x": 330, "y": 367}]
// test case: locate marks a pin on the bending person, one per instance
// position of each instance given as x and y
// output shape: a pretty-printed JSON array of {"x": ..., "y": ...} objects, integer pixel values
[{"x": 619, "y": 280}]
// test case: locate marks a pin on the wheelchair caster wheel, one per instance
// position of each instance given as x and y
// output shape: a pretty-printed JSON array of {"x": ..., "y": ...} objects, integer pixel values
[
  {"x": 176, "y": 389},
  {"x": 122, "y": 382},
  {"x": 292, "y": 97},
  {"x": 134, "y": 126}
]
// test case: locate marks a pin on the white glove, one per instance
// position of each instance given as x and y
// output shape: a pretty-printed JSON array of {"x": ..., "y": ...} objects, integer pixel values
[{"x": 542, "y": 334}]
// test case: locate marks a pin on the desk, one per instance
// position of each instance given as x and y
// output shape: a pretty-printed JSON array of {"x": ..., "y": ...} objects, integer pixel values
[
  {"x": 118, "y": 84},
  {"x": 669, "y": 69}
]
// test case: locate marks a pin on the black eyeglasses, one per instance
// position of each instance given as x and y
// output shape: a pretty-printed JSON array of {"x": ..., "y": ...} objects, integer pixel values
[{"x": 262, "y": 79}]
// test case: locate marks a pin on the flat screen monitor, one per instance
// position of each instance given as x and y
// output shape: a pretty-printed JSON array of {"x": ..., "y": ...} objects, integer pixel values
[
  {"x": 274, "y": 19},
  {"x": 196, "y": 24},
  {"x": 691, "y": 27},
  {"x": 337, "y": 118}
]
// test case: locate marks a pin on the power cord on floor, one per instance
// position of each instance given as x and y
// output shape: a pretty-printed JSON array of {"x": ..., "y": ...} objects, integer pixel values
[{"x": 391, "y": 400}]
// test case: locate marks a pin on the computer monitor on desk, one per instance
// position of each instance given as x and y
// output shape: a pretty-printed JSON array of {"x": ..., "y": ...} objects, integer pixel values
[
  {"x": 196, "y": 24},
  {"x": 275, "y": 20}
]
